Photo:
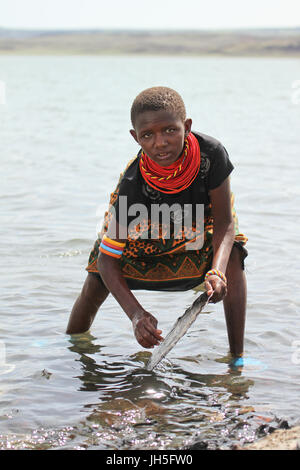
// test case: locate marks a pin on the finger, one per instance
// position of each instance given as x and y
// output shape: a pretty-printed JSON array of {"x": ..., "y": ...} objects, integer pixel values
[
  {"x": 156, "y": 331},
  {"x": 146, "y": 345},
  {"x": 148, "y": 337},
  {"x": 158, "y": 335},
  {"x": 159, "y": 332},
  {"x": 222, "y": 290},
  {"x": 146, "y": 334},
  {"x": 209, "y": 288},
  {"x": 153, "y": 330},
  {"x": 216, "y": 296},
  {"x": 153, "y": 338},
  {"x": 219, "y": 294},
  {"x": 143, "y": 341}
]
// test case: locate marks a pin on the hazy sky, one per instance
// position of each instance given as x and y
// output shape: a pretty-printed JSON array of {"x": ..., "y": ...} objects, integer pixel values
[{"x": 141, "y": 14}]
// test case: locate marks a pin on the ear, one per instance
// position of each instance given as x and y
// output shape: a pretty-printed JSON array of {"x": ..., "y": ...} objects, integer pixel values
[
  {"x": 133, "y": 133},
  {"x": 187, "y": 126}
]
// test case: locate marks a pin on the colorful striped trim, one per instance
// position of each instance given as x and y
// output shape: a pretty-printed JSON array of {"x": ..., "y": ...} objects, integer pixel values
[
  {"x": 216, "y": 272},
  {"x": 111, "y": 247},
  {"x": 106, "y": 252},
  {"x": 113, "y": 242}
]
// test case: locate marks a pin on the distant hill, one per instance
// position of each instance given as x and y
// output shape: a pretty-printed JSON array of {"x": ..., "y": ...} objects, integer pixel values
[{"x": 251, "y": 42}]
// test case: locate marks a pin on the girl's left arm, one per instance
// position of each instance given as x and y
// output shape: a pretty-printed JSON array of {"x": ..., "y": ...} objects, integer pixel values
[{"x": 223, "y": 238}]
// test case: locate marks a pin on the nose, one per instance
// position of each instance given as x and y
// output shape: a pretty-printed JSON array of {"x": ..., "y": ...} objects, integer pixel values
[{"x": 160, "y": 141}]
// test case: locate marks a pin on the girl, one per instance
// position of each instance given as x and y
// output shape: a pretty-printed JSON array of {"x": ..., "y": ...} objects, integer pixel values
[{"x": 186, "y": 232}]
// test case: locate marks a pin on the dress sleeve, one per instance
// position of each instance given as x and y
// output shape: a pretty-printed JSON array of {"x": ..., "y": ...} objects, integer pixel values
[{"x": 220, "y": 167}]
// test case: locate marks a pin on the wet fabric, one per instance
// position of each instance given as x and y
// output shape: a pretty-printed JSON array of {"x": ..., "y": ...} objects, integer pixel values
[{"x": 159, "y": 255}]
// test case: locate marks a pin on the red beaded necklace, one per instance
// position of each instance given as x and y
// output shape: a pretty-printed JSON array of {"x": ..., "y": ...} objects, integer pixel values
[{"x": 176, "y": 177}]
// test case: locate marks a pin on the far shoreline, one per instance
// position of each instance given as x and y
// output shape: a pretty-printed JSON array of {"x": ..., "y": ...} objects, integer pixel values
[
  {"x": 145, "y": 55},
  {"x": 231, "y": 43}
]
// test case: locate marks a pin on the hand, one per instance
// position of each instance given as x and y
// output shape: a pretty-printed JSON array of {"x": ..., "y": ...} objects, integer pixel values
[
  {"x": 144, "y": 327},
  {"x": 215, "y": 287}
]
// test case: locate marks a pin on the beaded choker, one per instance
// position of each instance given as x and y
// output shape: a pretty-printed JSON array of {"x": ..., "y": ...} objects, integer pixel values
[{"x": 176, "y": 177}]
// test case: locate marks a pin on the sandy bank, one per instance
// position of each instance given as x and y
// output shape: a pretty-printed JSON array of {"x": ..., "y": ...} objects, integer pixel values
[{"x": 281, "y": 439}]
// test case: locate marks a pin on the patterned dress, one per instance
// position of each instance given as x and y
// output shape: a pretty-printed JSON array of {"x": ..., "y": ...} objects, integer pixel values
[{"x": 168, "y": 254}]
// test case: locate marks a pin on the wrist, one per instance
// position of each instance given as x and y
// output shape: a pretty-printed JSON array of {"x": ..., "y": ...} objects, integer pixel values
[{"x": 136, "y": 315}]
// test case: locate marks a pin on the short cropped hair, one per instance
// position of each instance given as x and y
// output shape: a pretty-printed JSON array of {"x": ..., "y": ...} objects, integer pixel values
[{"x": 156, "y": 99}]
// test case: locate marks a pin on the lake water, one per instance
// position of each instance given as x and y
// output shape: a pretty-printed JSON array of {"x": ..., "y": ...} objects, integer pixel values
[{"x": 63, "y": 142}]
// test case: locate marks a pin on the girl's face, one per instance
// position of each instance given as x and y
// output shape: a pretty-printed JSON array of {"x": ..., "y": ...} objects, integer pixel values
[{"x": 161, "y": 135}]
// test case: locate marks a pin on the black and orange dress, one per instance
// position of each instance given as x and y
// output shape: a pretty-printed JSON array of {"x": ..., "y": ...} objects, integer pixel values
[{"x": 158, "y": 255}]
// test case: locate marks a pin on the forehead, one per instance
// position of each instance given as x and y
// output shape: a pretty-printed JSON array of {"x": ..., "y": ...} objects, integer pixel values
[{"x": 154, "y": 119}]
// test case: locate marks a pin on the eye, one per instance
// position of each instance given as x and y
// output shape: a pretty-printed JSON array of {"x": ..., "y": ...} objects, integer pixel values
[
  {"x": 170, "y": 130},
  {"x": 146, "y": 135}
]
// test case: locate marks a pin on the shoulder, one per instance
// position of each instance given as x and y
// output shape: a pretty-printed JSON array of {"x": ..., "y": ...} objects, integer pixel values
[
  {"x": 130, "y": 172},
  {"x": 129, "y": 180},
  {"x": 215, "y": 163},
  {"x": 131, "y": 169}
]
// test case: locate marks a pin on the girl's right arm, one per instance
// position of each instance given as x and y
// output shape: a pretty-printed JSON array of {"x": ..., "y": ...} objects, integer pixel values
[{"x": 144, "y": 324}]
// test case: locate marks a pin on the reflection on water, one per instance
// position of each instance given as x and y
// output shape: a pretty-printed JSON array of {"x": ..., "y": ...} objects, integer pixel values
[
  {"x": 150, "y": 409},
  {"x": 128, "y": 407}
]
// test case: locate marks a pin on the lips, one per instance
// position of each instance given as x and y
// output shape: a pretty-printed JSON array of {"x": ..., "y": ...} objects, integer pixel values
[{"x": 164, "y": 155}]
